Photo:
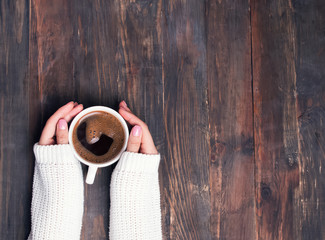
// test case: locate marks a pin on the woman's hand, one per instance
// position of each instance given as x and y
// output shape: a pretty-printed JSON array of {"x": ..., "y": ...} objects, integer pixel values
[
  {"x": 57, "y": 124},
  {"x": 140, "y": 139}
]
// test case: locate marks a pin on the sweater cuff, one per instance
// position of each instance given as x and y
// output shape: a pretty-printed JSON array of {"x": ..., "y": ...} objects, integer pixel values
[
  {"x": 138, "y": 162},
  {"x": 54, "y": 154}
]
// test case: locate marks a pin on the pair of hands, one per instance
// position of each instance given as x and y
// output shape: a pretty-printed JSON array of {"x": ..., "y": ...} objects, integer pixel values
[{"x": 140, "y": 139}]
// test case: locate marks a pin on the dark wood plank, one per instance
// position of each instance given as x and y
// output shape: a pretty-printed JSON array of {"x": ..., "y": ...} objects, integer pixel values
[
  {"x": 275, "y": 121},
  {"x": 15, "y": 165},
  {"x": 139, "y": 62},
  {"x": 139, "y": 74},
  {"x": 95, "y": 28},
  {"x": 51, "y": 68},
  {"x": 231, "y": 120},
  {"x": 69, "y": 59},
  {"x": 187, "y": 190},
  {"x": 310, "y": 62}
]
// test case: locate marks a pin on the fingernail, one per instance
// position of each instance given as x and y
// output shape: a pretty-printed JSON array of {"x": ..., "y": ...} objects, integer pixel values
[
  {"x": 62, "y": 124},
  {"x": 125, "y": 103},
  {"x": 136, "y": 131}
]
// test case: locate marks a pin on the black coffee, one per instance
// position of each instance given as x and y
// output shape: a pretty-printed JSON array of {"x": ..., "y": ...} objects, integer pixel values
[{"x": 98, "y": 136}]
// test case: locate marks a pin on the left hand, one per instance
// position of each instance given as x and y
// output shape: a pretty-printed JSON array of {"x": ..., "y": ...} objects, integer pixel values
[
  {"x": 140, "y": 139},
  {"x": 57, "y": 124}
]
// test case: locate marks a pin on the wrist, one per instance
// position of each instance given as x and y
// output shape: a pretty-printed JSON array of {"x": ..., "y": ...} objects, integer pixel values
[
  {"x": 54, "y": 154},
  {"x": 138, "y": 162}
]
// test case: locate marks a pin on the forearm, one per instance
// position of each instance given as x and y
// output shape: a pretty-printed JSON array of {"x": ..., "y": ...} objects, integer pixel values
[
  {"x": 135, "y": 198},
  {"x": 58, "y": 195}
]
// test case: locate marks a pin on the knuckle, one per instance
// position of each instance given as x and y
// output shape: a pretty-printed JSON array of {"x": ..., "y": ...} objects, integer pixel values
[
  {"x": 134, "y": 145},
  {"x": 60, "y": 137},
  {"x": 61, "y": 140}
]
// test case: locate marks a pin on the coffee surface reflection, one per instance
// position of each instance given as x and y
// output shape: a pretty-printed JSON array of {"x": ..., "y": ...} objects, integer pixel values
[{"x": 98, "y": 146}]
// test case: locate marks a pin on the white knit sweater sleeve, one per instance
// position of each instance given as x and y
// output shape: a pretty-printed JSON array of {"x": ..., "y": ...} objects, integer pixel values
[
  {"x": 135, "y": 198},
  {"x": 58, "y": 194}
]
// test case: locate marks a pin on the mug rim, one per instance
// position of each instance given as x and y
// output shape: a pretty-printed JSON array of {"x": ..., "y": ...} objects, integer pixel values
[{"x": 108, "y": 110}]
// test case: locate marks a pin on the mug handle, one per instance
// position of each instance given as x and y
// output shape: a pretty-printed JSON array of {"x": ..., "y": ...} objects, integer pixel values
[{"x": 91, "y": 174}]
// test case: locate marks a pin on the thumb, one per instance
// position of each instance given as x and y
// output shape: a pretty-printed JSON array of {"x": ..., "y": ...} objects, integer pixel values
[
  {"x": 62, "y": 132},
  {"x": 134, "y": 141}
]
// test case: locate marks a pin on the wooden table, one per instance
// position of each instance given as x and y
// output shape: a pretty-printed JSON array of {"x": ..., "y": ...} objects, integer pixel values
[{"x": 233, "y": 93}]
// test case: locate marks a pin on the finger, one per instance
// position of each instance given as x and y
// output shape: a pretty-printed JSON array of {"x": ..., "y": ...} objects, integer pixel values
[
  {"x": 67, "y": 112},
  {"x": 134, "y": 141},
  {"x": 60, "y": 113},
  {"x": 62, "y": 132},
  {"x": 124, "y": 105},
  {"x": 131, "y": 118},
  {"x": 147, "y": 144},
  {"x": 43, "y": 141},
  {"x": 77, "y": 109},
  {"x": 50, "y": 126}
]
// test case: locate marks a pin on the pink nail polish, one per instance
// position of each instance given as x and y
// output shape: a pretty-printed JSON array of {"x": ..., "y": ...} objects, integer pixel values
[
  {"x": 62, "y": 124},
  {"x": 136, "y": 131}
]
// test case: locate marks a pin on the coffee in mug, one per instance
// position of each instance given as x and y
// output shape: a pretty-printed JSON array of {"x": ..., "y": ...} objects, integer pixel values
[{"x": 98, "y": 136}]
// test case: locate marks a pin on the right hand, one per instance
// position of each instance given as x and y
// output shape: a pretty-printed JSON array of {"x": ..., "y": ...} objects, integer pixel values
[
  {"x": 57, "y": 125},
  {"x": 140, "y": 140}
]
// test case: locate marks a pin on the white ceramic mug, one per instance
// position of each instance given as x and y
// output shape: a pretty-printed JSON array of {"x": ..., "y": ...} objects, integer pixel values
[{"x": 92, "y": 167}]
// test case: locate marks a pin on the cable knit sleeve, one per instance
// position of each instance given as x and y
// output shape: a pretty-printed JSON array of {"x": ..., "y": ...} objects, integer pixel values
[
  {"x": 135, "y": 198},
  {"x": 57, "y": 201}
]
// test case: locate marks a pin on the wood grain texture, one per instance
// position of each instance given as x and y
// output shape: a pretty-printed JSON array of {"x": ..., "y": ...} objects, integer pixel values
[
  {"x": 95, "y": 73},
  {"x": 275, "y": 117},
  {"x": 230, "y": 120},
  {"x": 140, "y": 79},
  {"x": 310, "y": 199},
  {"x": 15, "y": 167},
  {"x": 233, "y": 93},
  {"x": 186, "y": 120},
  {"x": 67, "y": 63}
]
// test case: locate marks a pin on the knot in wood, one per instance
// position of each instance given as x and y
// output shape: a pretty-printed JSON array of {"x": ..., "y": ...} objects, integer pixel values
[
  {"x": 266, "y": 192},
  {"x": 292, "y": 159}
]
